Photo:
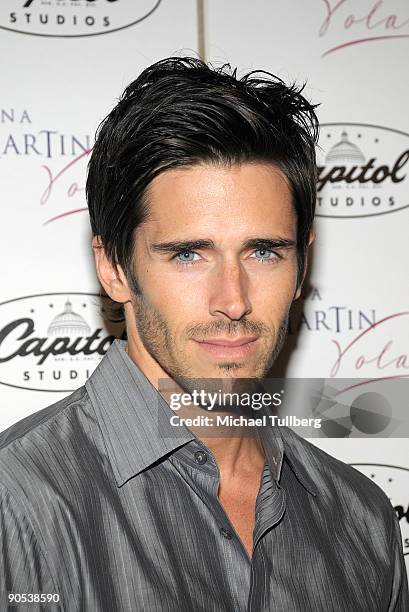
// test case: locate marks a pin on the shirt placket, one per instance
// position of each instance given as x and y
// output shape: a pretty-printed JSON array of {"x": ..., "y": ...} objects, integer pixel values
[
  {"x": 206, "y": 485},
  {"x": 270, "y": 508}
]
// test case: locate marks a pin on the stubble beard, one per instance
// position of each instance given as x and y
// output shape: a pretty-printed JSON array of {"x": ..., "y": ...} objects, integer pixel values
[{"x": 156, "y": 336}]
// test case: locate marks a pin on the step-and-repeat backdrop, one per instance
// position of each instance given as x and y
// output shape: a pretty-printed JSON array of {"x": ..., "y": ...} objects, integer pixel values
[{"x": 65, "y": 62}]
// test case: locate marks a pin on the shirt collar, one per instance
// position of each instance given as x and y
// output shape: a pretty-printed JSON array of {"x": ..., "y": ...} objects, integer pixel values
[
  {"x": 133, "y": 416},
  {"x": 298, "y": 455},
  {"x": 281, "y": 444},
  {"x": 134, "y": 419}
]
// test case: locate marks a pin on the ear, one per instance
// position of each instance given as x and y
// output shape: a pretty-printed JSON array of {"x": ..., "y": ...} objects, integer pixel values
[
  {"x": 111, "y": 277},
  {"x": 311, "y": 238}
]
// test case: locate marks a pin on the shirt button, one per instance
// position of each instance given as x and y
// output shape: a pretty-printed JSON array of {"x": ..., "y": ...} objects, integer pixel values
[
  {"x": 226, "y": 534},
  {"x": 200, "y": 457}
]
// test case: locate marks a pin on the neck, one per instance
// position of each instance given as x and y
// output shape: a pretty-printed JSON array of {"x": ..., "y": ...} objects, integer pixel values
[
  {"x": 234, "y": 450},
  {"x": 236, "y": 455}
]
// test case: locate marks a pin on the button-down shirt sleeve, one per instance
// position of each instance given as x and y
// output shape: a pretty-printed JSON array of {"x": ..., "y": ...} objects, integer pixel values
[{"x": 24, "y": 572}]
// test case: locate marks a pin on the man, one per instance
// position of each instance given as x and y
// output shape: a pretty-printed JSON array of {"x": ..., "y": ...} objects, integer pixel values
[{"x": 201, "y": 191}]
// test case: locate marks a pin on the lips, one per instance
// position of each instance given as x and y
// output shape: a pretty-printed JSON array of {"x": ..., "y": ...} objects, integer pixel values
[
  {"x": 225, "y": 348},
  {"x": 228, "y": 342}
]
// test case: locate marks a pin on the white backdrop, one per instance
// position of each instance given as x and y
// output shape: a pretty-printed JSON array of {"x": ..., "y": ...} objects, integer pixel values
[{"x": 65, "y": 64}]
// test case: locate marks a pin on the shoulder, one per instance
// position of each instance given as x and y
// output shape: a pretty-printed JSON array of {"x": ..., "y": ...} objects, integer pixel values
[
  {"x": 33, "y": 447},
  {"x": 357, "y": 516},
  {"x": 31, "y": 424},
  {"x": 341, "y": 489}
]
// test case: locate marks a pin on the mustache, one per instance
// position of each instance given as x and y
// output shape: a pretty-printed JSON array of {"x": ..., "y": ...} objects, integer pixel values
[{"x": 228, "y": 328}]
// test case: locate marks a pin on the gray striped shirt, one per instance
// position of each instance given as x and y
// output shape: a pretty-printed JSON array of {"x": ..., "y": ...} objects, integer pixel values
[{"x": 104, "y": 514}]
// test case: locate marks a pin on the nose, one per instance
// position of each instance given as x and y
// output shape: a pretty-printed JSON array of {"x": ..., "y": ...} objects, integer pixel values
[{"x": 229, "y": 292}]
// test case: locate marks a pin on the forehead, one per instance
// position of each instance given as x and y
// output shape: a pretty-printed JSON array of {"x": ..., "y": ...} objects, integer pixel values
[{"x": 239, "y": 198}]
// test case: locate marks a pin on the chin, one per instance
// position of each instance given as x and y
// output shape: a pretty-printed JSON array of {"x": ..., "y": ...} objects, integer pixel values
[{"x": 234, "y": 370}]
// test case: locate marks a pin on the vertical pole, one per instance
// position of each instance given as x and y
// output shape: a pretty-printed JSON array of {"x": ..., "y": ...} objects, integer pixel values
[{"x": 201, "y": 31}]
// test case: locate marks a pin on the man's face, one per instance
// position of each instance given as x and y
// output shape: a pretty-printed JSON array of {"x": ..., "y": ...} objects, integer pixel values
[{"x": 216, "y": 264}]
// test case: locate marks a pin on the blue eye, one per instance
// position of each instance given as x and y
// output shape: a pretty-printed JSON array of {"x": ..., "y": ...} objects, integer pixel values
[
  {"x": 266, "y": 255},
  {"x": 185, "y": 257}
]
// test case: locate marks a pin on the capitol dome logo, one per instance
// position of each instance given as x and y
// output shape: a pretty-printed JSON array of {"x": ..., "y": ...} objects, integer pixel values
[
  {"x": 68, "y": 323},
  {"x": 44, "y": 351},
  {"x": 344, "y": 152},
  {"x": 362, "y": 170},
  {"x": 78, "y": 18}
]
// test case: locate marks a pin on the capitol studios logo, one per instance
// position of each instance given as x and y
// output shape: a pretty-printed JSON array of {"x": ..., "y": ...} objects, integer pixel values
[
  {"x": 54, "y": 341},
  {"x": 363, "y": 170},
  {"x": 394, "y": 480},
  {"x": 73, "y": 18}
]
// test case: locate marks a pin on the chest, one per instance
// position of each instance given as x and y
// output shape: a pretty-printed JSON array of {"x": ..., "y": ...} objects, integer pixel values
[
  {"x": 240, "y": 507},
  {"x": 159, "y": 538}
]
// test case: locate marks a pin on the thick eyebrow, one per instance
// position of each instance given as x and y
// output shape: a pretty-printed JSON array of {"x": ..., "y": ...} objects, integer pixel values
[
  {"x": 268, "y": 243},
  {"x": 182, "y": 245},
  {"x": 177, "y": 246}
]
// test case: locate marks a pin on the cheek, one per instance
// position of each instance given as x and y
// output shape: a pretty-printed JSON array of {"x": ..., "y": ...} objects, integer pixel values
[
  {"x": 177, "y": 296},
  {"x": 273, "y": 292},
  {"x": 271, "y": 306}
]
